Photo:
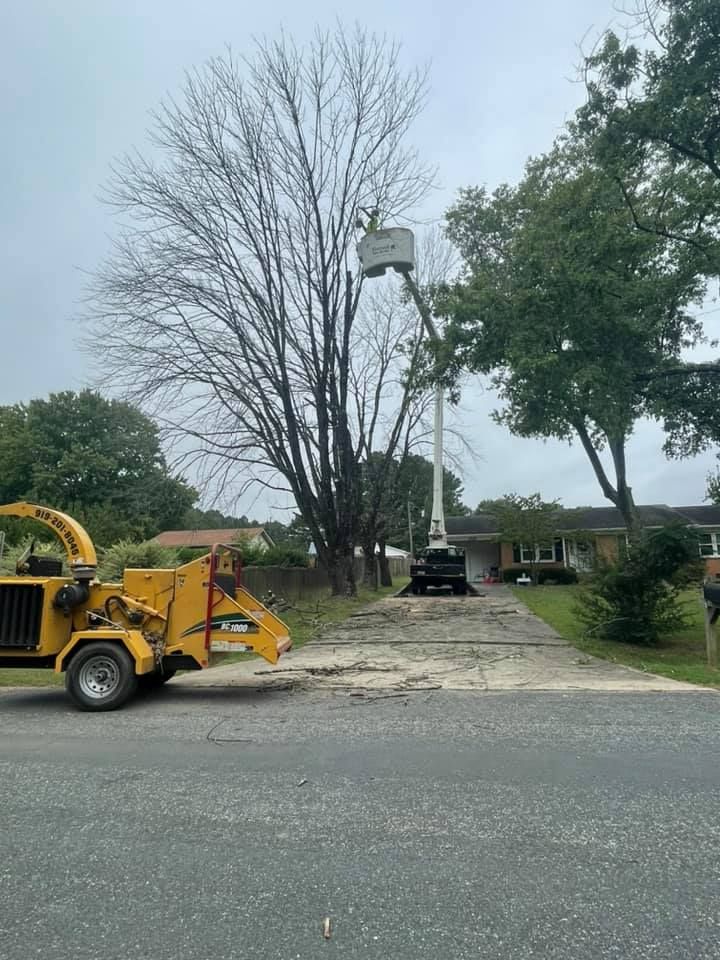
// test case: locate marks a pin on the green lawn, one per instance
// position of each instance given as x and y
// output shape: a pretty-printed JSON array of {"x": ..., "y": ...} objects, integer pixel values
[
  {"x": 31, "y": 678},
  {"x": 681, "y": 657},
  {"x": 305, "y": 620}
]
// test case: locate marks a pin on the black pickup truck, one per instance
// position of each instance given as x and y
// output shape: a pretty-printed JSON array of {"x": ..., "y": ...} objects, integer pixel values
[{"x": 439, "y": 567}]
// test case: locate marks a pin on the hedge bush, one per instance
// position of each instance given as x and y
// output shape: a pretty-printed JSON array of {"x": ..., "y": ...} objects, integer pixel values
[
  {"x": 559, "y": 575},
  {"x": 253, "y": 556},
  {"x": 637, "y": 598},
  {"x": 126, "y": 554}
]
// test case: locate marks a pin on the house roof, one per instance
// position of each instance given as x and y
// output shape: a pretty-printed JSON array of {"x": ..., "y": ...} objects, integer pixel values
[
  {"x": 206, "y": 538},
  {"x": 477, "y": 523},
  {"x": 595, "y": 518},
  {"x": 610, "y": 518},
  {"x": 707, "y": 515}
]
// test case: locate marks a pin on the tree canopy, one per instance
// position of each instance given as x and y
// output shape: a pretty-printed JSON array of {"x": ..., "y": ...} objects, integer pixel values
[
  {"x": 653, "y": 118},
  {"x": 412, "y": 483},
  {"x": 569, "y": 308},
  {"x": 98, "y": 459},
  {"x": 652, "y": 121},
  {"x": 240, "y": 236}
]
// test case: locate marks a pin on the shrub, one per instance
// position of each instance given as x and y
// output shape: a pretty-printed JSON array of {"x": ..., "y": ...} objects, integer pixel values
[
  {"x": 274, "y": 557},
  {"x": 510, "y": 574},
  {"x": 126, "y": 554},
  {"x": 559, "y": 575},
  {"x": 636, "y": 598},
  {"x": 42, "y": 548},
  {"x": 188, "y": 554},
  {"x": 253, "y": 556}
]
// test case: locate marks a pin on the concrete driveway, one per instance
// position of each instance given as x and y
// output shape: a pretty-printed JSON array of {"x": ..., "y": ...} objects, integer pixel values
[{"x": 490, "y": 642}]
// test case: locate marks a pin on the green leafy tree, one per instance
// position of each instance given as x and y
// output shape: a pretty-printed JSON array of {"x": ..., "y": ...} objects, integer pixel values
[
  {"x": 713, "y": 487},
  {"x": 653, "y": 117},
  {"x": 652, "y": 121},
  {"x": 569, "y": 308},
  {"x": 198, "y": 519},
  {"x": 530, "y": 521},
  {"x": 98, "y": 459},
  {"x": 412, "y": 483}
]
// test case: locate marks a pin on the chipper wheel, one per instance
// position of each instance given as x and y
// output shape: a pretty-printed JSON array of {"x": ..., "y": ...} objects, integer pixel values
[{"x": 101, "y": 676}]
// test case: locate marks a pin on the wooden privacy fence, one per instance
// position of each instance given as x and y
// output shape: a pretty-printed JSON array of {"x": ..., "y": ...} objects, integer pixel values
[{"x": 293, "y": 583}]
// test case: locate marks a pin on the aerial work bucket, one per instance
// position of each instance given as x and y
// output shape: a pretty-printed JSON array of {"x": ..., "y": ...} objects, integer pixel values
[{"x": 381, "y": 249}]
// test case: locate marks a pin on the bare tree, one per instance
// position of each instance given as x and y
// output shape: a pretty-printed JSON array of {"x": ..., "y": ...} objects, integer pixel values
[{"x": 229, "y": 301}]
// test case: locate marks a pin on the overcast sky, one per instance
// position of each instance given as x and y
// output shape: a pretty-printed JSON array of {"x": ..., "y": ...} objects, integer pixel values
[{"x": 79, "y": 78}]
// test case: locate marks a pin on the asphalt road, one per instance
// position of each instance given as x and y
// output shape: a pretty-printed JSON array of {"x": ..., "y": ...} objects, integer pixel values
[{"x": 216, "y": 824}]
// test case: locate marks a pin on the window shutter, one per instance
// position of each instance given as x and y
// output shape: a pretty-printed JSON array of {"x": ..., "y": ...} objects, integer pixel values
[
  {"x": 516, "y": 553},
  {"x": 559, "y": 551}
]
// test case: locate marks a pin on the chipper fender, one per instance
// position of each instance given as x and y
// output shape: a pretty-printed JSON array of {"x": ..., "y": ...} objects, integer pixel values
[{"x": 132, "y": 640}]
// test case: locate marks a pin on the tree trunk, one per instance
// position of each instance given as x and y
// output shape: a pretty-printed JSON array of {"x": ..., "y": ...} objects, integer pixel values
[
  {"x": 342, "y": 577},
  {"x": 631, "y": 519},
  {"x": 385, "y": 575},
  {"x": 370, "y": 572},
  {"x": 620, "y": 494},
  {"x": 624, "y": 499},
  {"x": 340, "y": 567}
]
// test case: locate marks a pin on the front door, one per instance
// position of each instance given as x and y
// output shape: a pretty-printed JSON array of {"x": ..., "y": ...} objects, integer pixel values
[{"x": 580, "y": 555}]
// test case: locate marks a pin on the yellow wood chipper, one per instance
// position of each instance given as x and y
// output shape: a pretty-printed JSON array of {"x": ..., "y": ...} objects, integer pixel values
[{"x": 109, "y": 637}]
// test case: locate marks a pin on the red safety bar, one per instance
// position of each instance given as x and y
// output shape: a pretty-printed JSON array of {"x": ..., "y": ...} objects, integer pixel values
[{"x": 212, "y": 586}]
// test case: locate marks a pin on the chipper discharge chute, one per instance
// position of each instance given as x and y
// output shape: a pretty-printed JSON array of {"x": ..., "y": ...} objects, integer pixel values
[{"x": 110, "y": 637}]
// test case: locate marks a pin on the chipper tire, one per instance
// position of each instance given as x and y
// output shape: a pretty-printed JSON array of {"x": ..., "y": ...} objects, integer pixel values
[{"x": 101, "y": 676}]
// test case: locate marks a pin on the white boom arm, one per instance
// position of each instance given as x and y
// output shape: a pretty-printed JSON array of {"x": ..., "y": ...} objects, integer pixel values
[{"x": 438, "y": 534}]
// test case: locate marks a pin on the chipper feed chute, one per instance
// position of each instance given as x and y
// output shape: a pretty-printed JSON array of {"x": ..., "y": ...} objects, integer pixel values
[{"x": 234, "y": 621}]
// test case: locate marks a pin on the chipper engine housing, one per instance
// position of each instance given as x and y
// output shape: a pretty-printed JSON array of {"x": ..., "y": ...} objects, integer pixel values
[{"x": 110, "y": 637}]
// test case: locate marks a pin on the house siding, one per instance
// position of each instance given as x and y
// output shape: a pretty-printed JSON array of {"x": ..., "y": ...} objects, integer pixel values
[
  {"x": 602, "y": 527},
  {"x": 606, "y": 546}
]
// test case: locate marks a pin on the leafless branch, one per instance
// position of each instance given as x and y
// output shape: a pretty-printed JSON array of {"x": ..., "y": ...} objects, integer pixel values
[{"x": 230, "y": 301}]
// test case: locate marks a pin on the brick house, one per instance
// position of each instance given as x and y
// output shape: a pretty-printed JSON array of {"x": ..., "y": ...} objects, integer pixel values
[
  {"x": 586, "y": 534},
  {"x": 253, "y": 536}
]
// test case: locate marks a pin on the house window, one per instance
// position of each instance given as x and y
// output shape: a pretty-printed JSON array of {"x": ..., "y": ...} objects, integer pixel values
[
  {"x": 527, "y": 554},
  {"x": 709, "y": 543},
  {"x": 540, "y": 553}
]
